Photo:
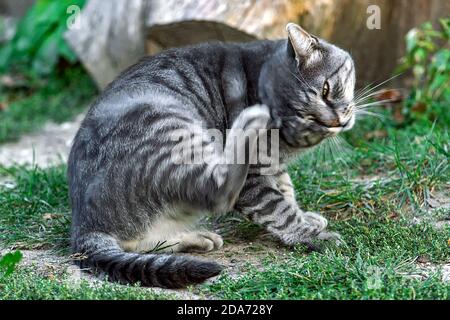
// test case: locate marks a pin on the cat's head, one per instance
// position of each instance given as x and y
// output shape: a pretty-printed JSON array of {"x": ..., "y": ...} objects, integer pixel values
[{"x": 311, "y": 89}]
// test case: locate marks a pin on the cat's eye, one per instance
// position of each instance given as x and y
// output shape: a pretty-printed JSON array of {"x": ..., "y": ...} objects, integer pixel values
[{"x": 326, "y": 89}]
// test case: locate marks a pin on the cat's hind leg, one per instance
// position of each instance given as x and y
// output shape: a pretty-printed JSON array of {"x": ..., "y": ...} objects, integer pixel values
[{"x": 174, "y": 231}]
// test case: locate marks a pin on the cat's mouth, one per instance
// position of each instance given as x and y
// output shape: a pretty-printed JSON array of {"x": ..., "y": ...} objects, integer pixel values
[
  {"x": 334, "y": 130},
  {"x": 312, "y": 124}
]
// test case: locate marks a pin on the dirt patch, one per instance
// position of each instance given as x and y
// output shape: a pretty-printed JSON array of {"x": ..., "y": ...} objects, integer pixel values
[
  {"x": 50, "y": 265},
  {"x": 47, "y": 147},
  {"x": 235, "y": 257},
  {"x": 437, "y": 211},
  {"x": 238, "y": 257},
  {"x": 440, "y": 200},
  {"x": 425, "y": 270},
  {"x": 47, "y": 264},
  {"x": 370, "y": 181}
]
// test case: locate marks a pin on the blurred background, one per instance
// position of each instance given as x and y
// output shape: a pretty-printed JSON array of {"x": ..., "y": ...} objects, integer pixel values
[
  {"x": 55, "y": 56},
  {"x": 110, "y": 35},
  {"x": 384, "y": 185}
]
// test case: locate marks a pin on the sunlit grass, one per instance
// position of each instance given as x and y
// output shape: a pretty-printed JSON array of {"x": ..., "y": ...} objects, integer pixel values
[{"x": 370, "y": 199}]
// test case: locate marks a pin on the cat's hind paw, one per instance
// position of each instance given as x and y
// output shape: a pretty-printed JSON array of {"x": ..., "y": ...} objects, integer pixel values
[{"x": 200, "y": 242}]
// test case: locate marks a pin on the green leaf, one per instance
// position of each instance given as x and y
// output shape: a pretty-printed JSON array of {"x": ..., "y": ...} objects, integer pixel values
[
  {"x": 418, "y": 70},
  {"x": 8, "y": 263},
  {"x": 5, "y": 55},
  {"x": 39, "y": 43},
  {"x": 411, "y": 40},
  {"x": 420, "y": 55},
  {"x": 429, "y": 46},
  {"x": 63, "y": 48},
  {"x": 66, "y": 52},
  {"x": 445, "y": 25},
  {"x": 47, "y": 55}
]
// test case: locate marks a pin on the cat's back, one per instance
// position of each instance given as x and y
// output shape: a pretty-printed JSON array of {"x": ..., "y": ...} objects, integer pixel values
[
  {"x": 182, "y": 83},
  {"x": 188, "y": 76},
  {"x": 194, "y": 83},
  {"x": 191, "y": 75},
  {"x": 208, "y": 58}
]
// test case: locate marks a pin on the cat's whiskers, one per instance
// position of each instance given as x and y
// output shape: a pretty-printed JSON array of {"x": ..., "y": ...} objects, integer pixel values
[
  {"x": 367, "y": 97},
  {"x": 347, "y": 147},
  {"x": 370, "y": 90},
  {"x": 368, "y": 113},
  {"x": 370, "y": 104},
  {"x": 335, "y": 149},
  {"x": 317, "y": 151},
  {"x": 362, "y": 109},
  {"x": 360, "y": 92},
  {"x": 326, "y": 152},
  {"x": 332, "y": 148},
  {"x": 343, "y": 149}
]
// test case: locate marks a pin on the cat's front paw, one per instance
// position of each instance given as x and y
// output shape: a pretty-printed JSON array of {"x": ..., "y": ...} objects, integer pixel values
[
  {"x": 313, "y": 226},
  {"x": 315, "y": 220},
  {"x": 331, "y": 236},
  {"x": 255, "y": 117},
  {"x": 320, "y": 224}
]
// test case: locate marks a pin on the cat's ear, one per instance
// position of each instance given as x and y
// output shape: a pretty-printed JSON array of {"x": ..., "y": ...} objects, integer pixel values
[{"x": 300, "y": 43}]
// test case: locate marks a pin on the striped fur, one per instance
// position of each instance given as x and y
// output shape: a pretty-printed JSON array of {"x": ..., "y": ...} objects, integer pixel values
[{"x": 127, "y": 194}]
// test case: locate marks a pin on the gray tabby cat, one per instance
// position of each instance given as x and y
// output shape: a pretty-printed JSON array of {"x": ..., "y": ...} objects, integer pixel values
[{"x": 128, "y": 196}]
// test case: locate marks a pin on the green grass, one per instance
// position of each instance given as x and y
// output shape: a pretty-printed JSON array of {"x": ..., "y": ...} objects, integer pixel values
[
  {"x": 375, "y": 219},
  {"x": 56, "y": 98},
  {"x": 24, "y": 284},
  {"x": 371, "y": 265},
  {"x": 35, "y": 214},
  {"x": 405, "y": 167},
  {"x": 382, "y": 243}
]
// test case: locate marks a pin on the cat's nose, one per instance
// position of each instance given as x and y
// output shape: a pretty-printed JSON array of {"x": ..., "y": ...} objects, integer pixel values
[{"x": 335, "y": 122}]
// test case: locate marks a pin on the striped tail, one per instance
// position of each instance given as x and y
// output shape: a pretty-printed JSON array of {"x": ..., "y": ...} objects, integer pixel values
[{"x": 102, "y": 254}]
